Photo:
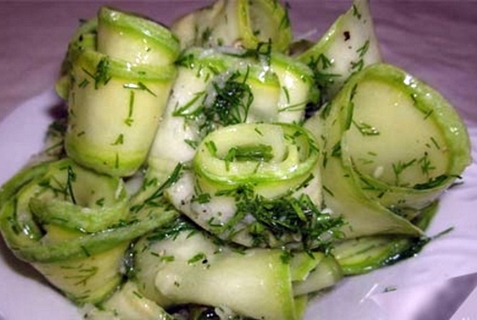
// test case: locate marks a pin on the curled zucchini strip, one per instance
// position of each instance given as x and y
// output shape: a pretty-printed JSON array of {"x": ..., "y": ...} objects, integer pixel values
[
  {"x": 437, "y": 147},
  {"x": 392, "y": 146},
  {"x": 114, "y": 111},
  {"x": 256, "y": 185},
  {"x": 120, "y": 77},
  {"x": 236, "y": 23},
  {"x": 135, "y": 39},
  {"x": 90, "y": 202},
  {"x": 176, "y": 265},
  {"x": 76, "y": 251},
  {"x": 215, "y": 89},
  {"x": 348, "y": 46},
  {"x": 274, "y": 158}
]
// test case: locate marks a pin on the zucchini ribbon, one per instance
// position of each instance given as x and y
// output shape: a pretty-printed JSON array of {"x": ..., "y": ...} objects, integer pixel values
[
  {"x": 348, "y": 46},
  {"x": 73, "y": 225},
  {"x": 175, "y": 265},
  {"x": 118, "y": 88},
  {"x": 391, "y": 146},
  {"x": 217, "y": 88},
  {"x": 256, "y": 184}
]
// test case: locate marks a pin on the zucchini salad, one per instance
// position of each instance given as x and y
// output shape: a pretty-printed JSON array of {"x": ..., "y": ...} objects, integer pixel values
[{"x": 221, "y": 168}]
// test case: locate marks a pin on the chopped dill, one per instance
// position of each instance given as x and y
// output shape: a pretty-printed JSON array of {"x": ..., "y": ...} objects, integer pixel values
[{"x": 284, "y": 216}]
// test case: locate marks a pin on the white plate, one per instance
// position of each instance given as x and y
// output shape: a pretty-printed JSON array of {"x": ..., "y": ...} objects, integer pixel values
[{"x": 419, "y": 281}]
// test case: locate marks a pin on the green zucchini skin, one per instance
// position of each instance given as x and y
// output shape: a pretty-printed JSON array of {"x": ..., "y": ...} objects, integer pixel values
[{"x": 135, "y": 38}]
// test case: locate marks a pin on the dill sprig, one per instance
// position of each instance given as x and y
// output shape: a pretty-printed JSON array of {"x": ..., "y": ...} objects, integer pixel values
[
  {"x": 156, "y": 199},
  {"x": 231, "y": 104},
  {"x": 321, "y": 77},
  {"x": 284, "y": 216},
  {"x": 71, "y": 177},
  {"x": 227, "y": 103}
]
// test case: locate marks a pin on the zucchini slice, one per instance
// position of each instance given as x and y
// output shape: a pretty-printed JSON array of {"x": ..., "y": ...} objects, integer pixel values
[
  {"x": 117, "y": 77},
  {"x": 180, "y": 268},
  {"x": 391, "y": 146},
  {"x": 114, "y": 111},
  {"x": 313, "y": 271},
  {"x": 274, "y": 158},
  {"x": 362, "y": 255}
]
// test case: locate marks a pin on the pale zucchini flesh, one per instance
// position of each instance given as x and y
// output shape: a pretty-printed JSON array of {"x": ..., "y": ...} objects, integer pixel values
[{"x": 348, "y": 46}]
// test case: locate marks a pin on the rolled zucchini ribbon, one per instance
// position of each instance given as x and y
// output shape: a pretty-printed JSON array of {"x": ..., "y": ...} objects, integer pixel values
[
  {"x": 216, "y": 88},
  {"x": 118, "y": 91},
  {"x": 73, "y": 225},
  {"x": 236, "y": 23},
  {"x": 348, "y": 46},
  {"x": 135, "y": 39},
  {"x": 391, "y": 146},
  {"x": 257, "y": 185},
  {"x": 176, "y": 265},
  {"x": 274, "y": 158}
]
